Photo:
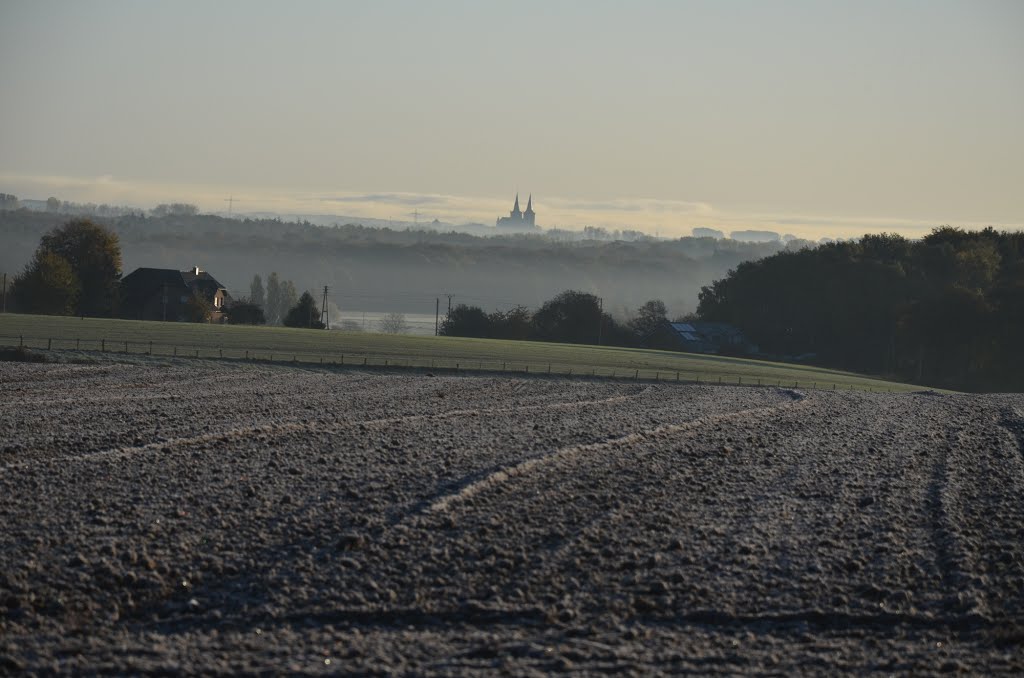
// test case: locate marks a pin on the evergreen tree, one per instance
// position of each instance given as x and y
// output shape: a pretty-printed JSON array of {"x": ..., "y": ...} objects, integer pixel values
[{"x": 304, "y": 313}]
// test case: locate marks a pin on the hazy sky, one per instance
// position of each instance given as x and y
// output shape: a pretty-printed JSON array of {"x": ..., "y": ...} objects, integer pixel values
[{"x": 814, "y": 118}]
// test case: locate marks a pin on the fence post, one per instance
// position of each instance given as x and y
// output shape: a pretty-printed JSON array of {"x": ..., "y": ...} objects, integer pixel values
[
  {"x": 636, "y": 375},
  {"x": 175, "y": 348},
  {"x": 77, "y": 343},
  {"x": 719, "y": 379},
  {"x": 247, "y": 355},
  {"x": 221, "y": 352},
  {"x": 677, "y": 377},
  {"x": 549, "y": 368},
  {"x": 197, "y": 352},
  {"x": 49, "y": 343},
  {"x": 739, "y": 380},
  {"x": 126, "y": 346},
  {"x": 103, "y": 345},
  {"x": 342, "y": 358},
  {"x": 21, "y": 340},
  {"x": 151, "y": 348}
]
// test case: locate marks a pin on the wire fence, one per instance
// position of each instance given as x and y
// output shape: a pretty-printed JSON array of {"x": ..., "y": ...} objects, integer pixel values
[{"x": 421, "y": 363}]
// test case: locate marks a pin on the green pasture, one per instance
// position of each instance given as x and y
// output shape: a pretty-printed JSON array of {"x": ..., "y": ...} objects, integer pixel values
[{"x": 280, "y": 344}]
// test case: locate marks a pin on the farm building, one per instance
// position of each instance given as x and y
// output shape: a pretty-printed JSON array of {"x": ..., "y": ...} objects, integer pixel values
[
  {"x": 699, "y": 337},
  {"x": 165, "y": 294}
]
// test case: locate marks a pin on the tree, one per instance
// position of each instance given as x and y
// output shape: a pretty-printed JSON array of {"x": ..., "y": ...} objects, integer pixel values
[
  {"x": 244, "y": 312},
  {"x": 393, "y": 323},
  {"x": 466, "y": 321},
  {"x": 256, "y": 295},
  {"x": 52, "y": 204},
  {"x": 304, "y": 314},
  {"x": 273, "y": 308},
  {"x": 94, "y": 254},
  {"x": 198, "y": 309},
  {"x": 648, "y": 317},
  {"x": 177, "y": 209},
  {"x": 511, "y": 324},
  {"x": 47, "y": 286},
  {"x": 289, "y": 297},
  {"x": 572, "y": 317}
]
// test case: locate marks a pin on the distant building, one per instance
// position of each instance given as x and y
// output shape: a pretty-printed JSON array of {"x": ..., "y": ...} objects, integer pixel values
[
  {"x": 163, "y": 294},
  {"x": 699, "y": 337},
  {"x": 519, "y": 220}
]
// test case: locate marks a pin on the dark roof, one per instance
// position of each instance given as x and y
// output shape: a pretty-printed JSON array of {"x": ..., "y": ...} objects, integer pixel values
[
  {"x": 149, "y": 280},
  {"x": 686, "y": 331},
  {"x": 203, "y": 280}
]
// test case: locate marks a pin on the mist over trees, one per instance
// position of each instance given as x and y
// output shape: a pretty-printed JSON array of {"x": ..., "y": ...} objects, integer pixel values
[
  {"x": 380, "y": 269},
  {"x": 947, "y": 310}
]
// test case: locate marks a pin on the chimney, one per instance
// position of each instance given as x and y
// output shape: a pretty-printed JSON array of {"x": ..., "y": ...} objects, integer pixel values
[{"x": 196, "y": 271}]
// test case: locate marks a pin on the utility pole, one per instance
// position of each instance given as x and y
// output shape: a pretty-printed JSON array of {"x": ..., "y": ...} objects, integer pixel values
[
  {"x": 230, "y": 201},
  {"x": 325, "y": 315},
  {"x": 5, "y": 293},
  {"x": 165, "y": 302},
  {"x": 449, "y": 304},
  {"x": 600, "y": 318},
  {"x": 437, "y": 308}
]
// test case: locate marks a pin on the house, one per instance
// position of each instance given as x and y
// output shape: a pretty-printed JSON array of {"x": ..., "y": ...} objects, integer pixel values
[
  {"x": 699, "y": 337},
  {"x": 164, "y": 294}
]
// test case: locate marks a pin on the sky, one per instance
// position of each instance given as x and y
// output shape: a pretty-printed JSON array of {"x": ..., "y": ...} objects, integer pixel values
[{"x": 820, "y": 119}]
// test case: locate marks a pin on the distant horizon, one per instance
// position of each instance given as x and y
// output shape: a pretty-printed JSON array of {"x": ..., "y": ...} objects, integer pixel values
[{"x": 660, "y": 218}]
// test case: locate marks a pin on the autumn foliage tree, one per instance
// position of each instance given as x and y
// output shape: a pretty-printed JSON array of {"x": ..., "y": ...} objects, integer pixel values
[
  {"x": 83, "y": 260},
  {"x": 47, "y": 286}
]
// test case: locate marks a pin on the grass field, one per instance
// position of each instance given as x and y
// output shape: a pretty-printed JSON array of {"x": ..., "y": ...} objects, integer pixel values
[{"x": 312, "y": 346}]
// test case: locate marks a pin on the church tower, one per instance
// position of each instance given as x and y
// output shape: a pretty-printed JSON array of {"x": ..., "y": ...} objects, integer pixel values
[
  {"x": 515, "y": 213},
  {"x": 528, "y": 215}
]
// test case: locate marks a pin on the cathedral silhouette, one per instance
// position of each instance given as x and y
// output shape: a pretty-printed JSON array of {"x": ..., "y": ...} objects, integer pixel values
[{"x": 517, "y": 219}]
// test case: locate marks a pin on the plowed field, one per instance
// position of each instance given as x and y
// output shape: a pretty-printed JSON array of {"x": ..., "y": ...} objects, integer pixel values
[{"x": 204, "y": 517}]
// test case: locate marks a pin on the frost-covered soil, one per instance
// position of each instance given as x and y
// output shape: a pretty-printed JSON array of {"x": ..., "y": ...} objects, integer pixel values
[{"x": 204, "y": 517}]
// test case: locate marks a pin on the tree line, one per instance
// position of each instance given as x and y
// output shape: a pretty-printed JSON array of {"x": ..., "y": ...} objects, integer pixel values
[
  {"x": 276, "y": 304},
  {"x": 946, "y": 310},
  {"x": 394, "y": 265},
  {"x": 572, "y": 317}
]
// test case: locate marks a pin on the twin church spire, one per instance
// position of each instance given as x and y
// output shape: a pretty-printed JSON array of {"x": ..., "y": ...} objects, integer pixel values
[{"x": 520, "y": 219}]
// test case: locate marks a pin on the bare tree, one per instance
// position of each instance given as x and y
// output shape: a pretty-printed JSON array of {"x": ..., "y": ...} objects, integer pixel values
[{"x": 393, "y": 323}]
